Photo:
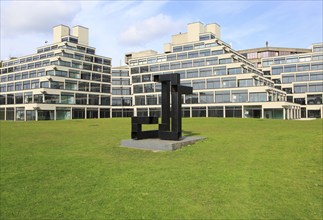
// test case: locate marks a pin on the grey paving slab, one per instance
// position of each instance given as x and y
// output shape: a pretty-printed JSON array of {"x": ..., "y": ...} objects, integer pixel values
[{"x": 160, "y": 145}]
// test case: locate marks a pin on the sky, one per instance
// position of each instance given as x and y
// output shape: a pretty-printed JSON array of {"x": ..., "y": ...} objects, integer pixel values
[{"x": 119, "y": 27}]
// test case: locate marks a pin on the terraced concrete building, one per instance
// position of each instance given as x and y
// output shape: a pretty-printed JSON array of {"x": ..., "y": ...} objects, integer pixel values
[
  {"x": 301, "y": 77},
  {"x": 63, "y": 80},
  {"x": 225, "y": 83}
]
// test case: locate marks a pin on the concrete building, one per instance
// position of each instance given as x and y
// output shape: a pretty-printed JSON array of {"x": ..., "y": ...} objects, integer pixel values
[
  {"x": 63, "y": 80},
  {"x": 67, "y": 80},
  {"x": 225, "y": 83},
  {"x": 254, "y": 55},
  {"x": 301, "y": 77}
]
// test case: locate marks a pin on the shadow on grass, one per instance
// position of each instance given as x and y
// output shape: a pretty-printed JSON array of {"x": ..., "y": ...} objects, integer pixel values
[{"x": 189, "y": 133}]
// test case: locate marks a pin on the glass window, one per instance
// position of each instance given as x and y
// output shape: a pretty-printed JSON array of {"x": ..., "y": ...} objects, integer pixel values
[
  {"x": 239, "y": 96},
  {"x": 188, "y": 47},
  {"x": 317, "y": 66},
  {"x": 234, "y": 70},
  {"x": 212, "y": 61},
  {"x": 315, "y": 87},
  {"x": 80, "y": 99},
  {"x": 199, "y": 62},
  {"x": 19, "y": 98},
  {"x": 67, "y": 98},
  {"x": 95, "y": 87},
  {"x": 226, "y": 60},
  {"x": 206, "y": 72},
  {"x": 106, "y": 88},
  {"x": 245, "y": 82},
  {"x": 258, "y": 97},
  {"x": 181, "y": 56},
  {"x": 303, "y": 67},
  {"x": 51, "y": 99},
  {"x": 288, "y": 78},
  {"x": 26, "y": 85},
  {"x": 137, "y": 89},
  {"x": 206, "y": 97},
  {"x": 71, "y": 85},
  {"x": 192, "y": 73},
  {"x": 228, "y": 82},
  {"x": 213, "y": 83},
  {"x": 105, "y": 100},
  {"x": 222, "y": 96},
  {"x": 277, "y": 70},
  {"x": 302, "y": 77},
  {"x": 94, "y": 99},
  {"x": 28, "y": 97},
  {"x": 221, "y": 70},
  {"x": 193, "y": 54},
  {"x": 198, "y": 84},
  {"x": 187, "y": 64},
  {"x": 140, "y": 100},
  {"x": 290, "y": 68},
  {"x": 316, "y": 76},
  {"x": 300, "y": 88}
]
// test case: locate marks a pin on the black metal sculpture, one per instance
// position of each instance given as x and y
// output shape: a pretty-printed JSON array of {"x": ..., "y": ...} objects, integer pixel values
[{"x": 171, "y": 124}]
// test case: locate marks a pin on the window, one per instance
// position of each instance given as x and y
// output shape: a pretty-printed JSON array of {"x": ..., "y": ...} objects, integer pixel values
[
  {"x": 303, "y": 67},
  {"x": 186, "y": 64},
  {"x": 258, "y": 97},
  {"x": 217, "y": 52},
  {"x": 317, "y": 66},
  {"x": 193, "y": 54},
  {"x": 302, "y": 77},
  {"x": 106, "y": 88},
  {"x": 198, "y": 84},
  {"x": 291, "y": 59},
  {"x": 221, "y": 70},
  {"x": 146, "y": 78},
  {"x": 239, "y": 96},
  {"x": 229, "y": 82},
  {"x": 51, "y": 99},
  {"x": 26, "y": 85},
  {"x": 314, "y": 99},
  {"x": 288, "y": 78},
  {"x": 148, "y": 88},
  {"x": 245, "y": 82},
  {"x": 222, "y": 96},
  {"x": 277, "y": 70},
  {"x": 136, "y": 79},
  {"x": 143, "y": 69},
  {"x": 80, "y": 99},
  {"x": 96, "y": 77},
  {"x": 234, "y": 71},
  {"x": 204, "y": 53},
  {"x": 137, "y": 89},
  {"x": 105, "y": 100},
  {"x": 200, "y": 62},
  {"x": 177, "y": 48},
  {"x": 171, "y": 57},
  {"x": 95, "y": 87},
  {"x": 192, "y": 73},
  {"x": 315, "y": 87},
  {"x": 18, "y": 86},
  {"x": 19, "y": 98},
  {"x": 300, "y": 88},
  {"x": 226, "y": 60},
  {"x": 28, "y": 97},
  {"x": 188, "y": 47},
  {"x": 140, "y": 100},
  {"x": 175, "y": 65},
  {"x": 34, "y": 84},
  {"x": 317, "y": 76},
  {"x": 70, "y": 85},
  {"x": 205, "y": 72},
  {"x": 164, "y": 66},
  {"x": 93, "y": 99},
  {"x": 290, "y": 68},
  {"x": 10, "y": 87},
  {"x": 181, "y": 56},
  {"x": 154, "y": 68},
  {"x": 85, "y": 75},
  {"x": 206, "y": 97},
  {"x": 212, "y": 61},
  {"x": 151, "y": 99}
]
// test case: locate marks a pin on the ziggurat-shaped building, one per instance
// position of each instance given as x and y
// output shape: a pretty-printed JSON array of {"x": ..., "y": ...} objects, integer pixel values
[{"x": 225, "y": 83}]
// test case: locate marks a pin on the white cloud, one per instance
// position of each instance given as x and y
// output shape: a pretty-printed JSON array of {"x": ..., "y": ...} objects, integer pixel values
[
  {"x": 35, "y": 16},
  {"x": 149, "y": 29}
]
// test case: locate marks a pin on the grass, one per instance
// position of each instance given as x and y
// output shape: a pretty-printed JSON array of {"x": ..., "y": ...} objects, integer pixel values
[{"x": 245, "y": 169}]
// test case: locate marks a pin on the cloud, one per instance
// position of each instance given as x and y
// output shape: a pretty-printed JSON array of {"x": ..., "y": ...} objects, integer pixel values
[
  {"x": 149, "y": 29},
  {"x": 35, "y": 16}
]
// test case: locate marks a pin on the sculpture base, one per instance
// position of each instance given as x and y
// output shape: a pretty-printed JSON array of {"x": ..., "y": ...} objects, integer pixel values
[{"x": 160, "y": 145}]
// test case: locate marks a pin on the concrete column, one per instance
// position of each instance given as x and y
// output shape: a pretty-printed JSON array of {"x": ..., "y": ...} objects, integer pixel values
[
  {"x": 85, "y": 113},
  {"x": 36, "y": 115},
  {"x": 207, "y": 111},
  {"x": 223, "y": 111},
  {"x": 262, "y": 112},
  {"x": 284, "y": 113},
  {"x": 242, "y": 109}
]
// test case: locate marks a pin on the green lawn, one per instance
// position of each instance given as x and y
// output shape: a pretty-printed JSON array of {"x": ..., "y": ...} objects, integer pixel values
[{"x": 245, "y": 169}]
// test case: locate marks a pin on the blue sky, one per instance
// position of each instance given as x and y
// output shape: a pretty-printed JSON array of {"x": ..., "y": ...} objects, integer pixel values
[{"x": 118, "y": 27}]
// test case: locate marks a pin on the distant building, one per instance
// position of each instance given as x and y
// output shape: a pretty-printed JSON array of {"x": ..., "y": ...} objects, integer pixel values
[
  {"x": 255, "y": 55},
  {"x": 63, "y": 80},
  {"x": 301, "y": 77},
  {"x": 225, "y": 83},
  {"x": 67, "y": 80}
]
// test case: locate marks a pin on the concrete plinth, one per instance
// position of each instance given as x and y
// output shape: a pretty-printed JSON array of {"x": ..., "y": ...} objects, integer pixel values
[{"x": 160, "y": 145}]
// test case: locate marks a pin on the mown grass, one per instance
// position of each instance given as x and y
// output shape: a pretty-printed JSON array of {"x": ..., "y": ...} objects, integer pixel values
[{"x": 245, "y": 169}]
